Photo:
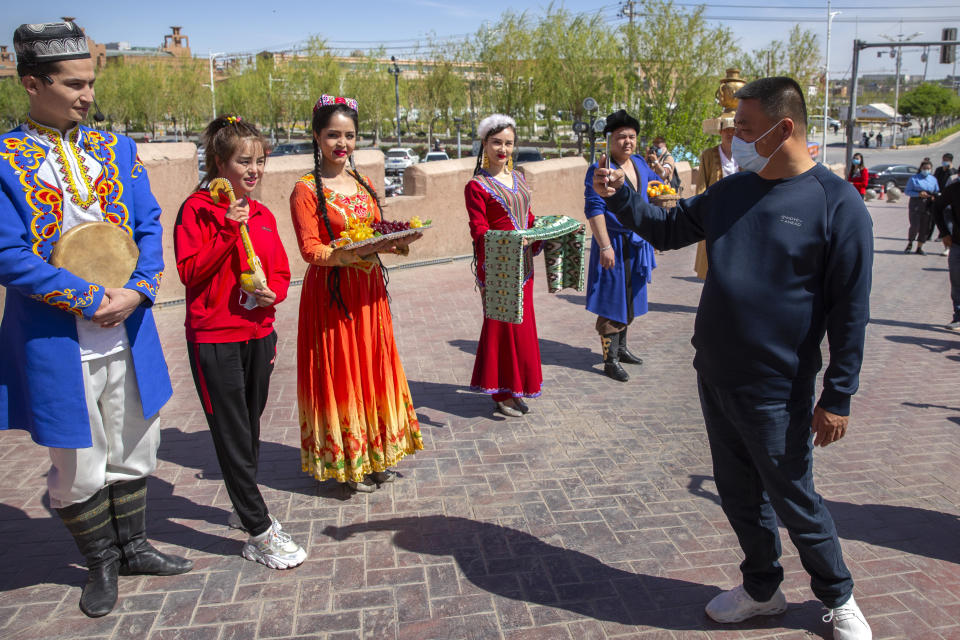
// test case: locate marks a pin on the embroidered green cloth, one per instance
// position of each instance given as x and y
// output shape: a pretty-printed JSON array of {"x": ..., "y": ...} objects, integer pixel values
[{"x": 507, "y": 265}]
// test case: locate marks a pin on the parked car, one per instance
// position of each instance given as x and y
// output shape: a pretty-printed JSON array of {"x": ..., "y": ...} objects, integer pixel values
[
  {"x": 393, "y": 186},
  {"x": 433, "y": 156},
  {"x": 888, "y": 175},
  {"x": 292, "y": 148},
  {"x": 527, "y": 154},
  {"x": 398, "y": 159}
]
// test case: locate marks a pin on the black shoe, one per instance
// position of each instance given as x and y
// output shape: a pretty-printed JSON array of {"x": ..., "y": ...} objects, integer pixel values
[
  {"x": 91, "y": 525},
  {"x": 920, "y": 251},
  {"x": 128, "y": 501},
  {"x": 909, "y": 247},
  {"x": 522, "y": 406},
  {"x": 624, "y": 353},
  {"x": 611, "y": 362}
]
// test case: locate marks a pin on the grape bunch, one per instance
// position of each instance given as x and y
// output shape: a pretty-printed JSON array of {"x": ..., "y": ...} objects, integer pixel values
[{"x": 389, "y": 226}]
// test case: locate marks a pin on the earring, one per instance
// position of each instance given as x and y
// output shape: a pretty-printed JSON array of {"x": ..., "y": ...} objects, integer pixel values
[
  {"x": 486, "y": 161},
  {"x": 510, "y": 163}
]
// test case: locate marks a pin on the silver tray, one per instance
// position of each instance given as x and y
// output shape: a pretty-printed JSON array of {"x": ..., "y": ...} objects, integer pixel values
[{"x": 396, "y": 235}]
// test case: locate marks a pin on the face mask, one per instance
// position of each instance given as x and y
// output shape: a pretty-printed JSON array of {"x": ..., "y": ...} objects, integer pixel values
[
  {"x": 746, "y": 155},
  {"x": 856, "y": 161},
  {"x": 946, "y": 164},
  {"x": 661, "y": 151},
  {"x": 925, "y": 173}
]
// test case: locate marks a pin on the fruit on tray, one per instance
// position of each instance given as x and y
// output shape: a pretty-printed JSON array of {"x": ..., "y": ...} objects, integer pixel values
[{"x": 357, "y": 230}]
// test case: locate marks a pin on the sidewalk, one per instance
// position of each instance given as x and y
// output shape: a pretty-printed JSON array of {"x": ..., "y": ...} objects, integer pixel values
[{"x": 595, "y": 516}]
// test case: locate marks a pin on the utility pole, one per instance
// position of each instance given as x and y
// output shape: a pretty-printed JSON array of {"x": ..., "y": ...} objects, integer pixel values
[
  {"x": 213, "y": 88},
  {"x": 899, "y": 40},
  {"x": 395, "y": 72},
  {"x": 826, "y": 84},
  {"x": 628, "y": 11}
]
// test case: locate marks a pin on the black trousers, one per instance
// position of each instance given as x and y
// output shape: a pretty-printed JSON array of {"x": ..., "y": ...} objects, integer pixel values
[{"x": 233, "y": 380}]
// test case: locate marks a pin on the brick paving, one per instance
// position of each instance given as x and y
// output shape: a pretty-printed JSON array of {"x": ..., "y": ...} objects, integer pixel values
[{"x": 592, "y": 517}]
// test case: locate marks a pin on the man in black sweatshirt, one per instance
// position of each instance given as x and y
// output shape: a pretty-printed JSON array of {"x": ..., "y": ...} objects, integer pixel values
[{"x": 790, "y": 247}]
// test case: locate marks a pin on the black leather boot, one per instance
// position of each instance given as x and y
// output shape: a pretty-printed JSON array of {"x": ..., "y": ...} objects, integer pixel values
[
  {"x": 128, "y": 501},
  {"x": 91, "y": 525},
  {"x": 624, "y": 353},
  {"x": 611, "y": 361}
]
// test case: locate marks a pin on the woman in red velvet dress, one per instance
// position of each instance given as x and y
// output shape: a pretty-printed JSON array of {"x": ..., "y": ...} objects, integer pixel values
[{"x": 508, "y": 355}]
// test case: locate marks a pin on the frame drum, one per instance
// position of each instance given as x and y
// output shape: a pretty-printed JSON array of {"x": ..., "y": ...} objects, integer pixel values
[{"x": 99, "y": 252}]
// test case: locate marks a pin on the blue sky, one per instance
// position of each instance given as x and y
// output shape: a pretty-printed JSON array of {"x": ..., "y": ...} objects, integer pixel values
[{"x": 248, "y": 25}]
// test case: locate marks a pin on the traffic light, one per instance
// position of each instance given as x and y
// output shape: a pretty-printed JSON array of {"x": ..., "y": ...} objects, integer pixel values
[{"x": 948, "y": 52}]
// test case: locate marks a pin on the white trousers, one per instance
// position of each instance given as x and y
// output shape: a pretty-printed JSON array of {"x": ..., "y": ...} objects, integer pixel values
[{"x": 124, "y": 444}]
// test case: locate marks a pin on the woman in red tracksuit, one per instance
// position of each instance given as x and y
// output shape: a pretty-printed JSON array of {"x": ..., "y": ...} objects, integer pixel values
[{"x": 231, "y": 342}]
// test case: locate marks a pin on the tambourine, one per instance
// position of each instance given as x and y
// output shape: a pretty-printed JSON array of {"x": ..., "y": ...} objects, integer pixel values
[{"x": 99, "y": 252}]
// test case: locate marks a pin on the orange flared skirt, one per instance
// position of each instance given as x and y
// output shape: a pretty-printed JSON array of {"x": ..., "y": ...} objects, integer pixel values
[{"x": 356, "y": 413}]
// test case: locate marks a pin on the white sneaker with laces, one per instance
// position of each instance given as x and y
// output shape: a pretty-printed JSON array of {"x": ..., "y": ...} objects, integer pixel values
[
  {"x": 736, "y": 605},
  {"x": 274, "y": 548},
  {"x": 848, "y": 622},
  {"x": 234, "y": 521}
]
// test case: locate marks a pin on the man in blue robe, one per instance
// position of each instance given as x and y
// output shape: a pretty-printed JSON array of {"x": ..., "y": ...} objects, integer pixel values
[{"x": 621, "y": 262}]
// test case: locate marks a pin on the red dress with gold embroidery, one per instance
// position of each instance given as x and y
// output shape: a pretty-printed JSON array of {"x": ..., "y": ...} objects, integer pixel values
[{"x": 356, "y": 414}]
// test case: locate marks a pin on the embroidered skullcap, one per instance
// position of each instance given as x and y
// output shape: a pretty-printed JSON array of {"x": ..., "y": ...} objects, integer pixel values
[
  {"x": 620, "y": 119},
  {"x": 49, "y": 42},
  {"x": 327, "y": 100},
  {"x": 496, "y": 121}
]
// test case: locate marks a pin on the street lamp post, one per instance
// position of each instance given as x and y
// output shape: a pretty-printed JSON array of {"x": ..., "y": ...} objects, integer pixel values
[
  {"x": 213, "y": 87},
  {"x": 826, "y": 85},
  {"x": 458, "y": 121},
  {"x": 395, "y": 72}
]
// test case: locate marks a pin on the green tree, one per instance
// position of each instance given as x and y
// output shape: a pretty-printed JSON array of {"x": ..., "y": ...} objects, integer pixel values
[
  {"x": 576, "y": 56},
  {"x": 931, "y": 102},
  {"x": 798, "y": 57},
  {"x": 504, "y": 50},
  {"x": 13, "y": 103},
  {"x": 371, "y": 85},
  {"x": 440, "y": 89},
  {"x": 679, "y": 69}
]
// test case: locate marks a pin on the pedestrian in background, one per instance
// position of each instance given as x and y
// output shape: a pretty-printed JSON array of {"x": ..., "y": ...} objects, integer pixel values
[
  {"x": 857, "y": 174},
  {"x": 921, "y": 188}
]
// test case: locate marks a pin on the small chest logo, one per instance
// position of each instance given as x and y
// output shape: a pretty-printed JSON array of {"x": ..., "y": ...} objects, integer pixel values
[
  {"x": 796, "y": 222},
  {"x": 267, "y": 229}
]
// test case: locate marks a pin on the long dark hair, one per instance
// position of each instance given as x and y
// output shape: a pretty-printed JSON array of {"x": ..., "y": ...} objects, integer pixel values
[
  {"x": 222, "y": 138},
  {"x": 492, "y": 131},
  {"x": 856, "y": 168},
  {"x": 321, "y": 119}
]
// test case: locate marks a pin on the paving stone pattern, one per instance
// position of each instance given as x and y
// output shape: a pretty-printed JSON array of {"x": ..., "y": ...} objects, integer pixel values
[{"x": 595, "y": 516}]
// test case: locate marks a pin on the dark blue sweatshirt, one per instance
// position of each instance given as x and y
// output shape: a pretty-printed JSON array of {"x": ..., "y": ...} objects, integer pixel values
[{"x": 790, "y": 260}]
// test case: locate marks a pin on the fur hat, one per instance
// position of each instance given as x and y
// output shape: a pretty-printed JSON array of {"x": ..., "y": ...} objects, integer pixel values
[
  {"x": 495, "y": 121},
  {"x": 620, "y": 119}
]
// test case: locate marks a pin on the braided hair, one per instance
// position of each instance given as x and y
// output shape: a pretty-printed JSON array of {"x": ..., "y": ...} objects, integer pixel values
[{"x": 321, "y": 119}]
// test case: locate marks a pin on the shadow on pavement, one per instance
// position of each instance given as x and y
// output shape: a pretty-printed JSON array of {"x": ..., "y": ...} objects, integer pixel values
[
  {"x": 552, "y": 353},
  {"x": 516, "y": 565},
  {"x": 921, "y": 532},
  {"x": 279, "y": 466},
  {"x": 41, "y": 551},
  {"x": 930, "y": 344},
  {"x": 940, "y": 328}
]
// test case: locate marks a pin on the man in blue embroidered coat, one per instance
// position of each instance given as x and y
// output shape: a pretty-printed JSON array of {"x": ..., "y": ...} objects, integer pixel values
[{"x": 83, "y": 370}]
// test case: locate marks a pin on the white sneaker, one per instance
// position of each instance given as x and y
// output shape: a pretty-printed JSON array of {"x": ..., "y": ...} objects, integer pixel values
[
  {"x": 234, "y": 521},
  {"x": 736, "y": 605},
  {"x": 848, "y": 622},
  {"x": 274, "y": 548}
]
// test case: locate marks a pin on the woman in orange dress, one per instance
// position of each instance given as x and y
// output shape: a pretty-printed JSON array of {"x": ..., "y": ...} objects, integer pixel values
[{"x": 356, "y": 414}]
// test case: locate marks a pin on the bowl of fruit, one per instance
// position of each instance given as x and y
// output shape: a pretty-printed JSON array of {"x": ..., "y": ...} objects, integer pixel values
[
  {"x": 360, "y": 233},
  {"x": 661, "y": 194}
]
